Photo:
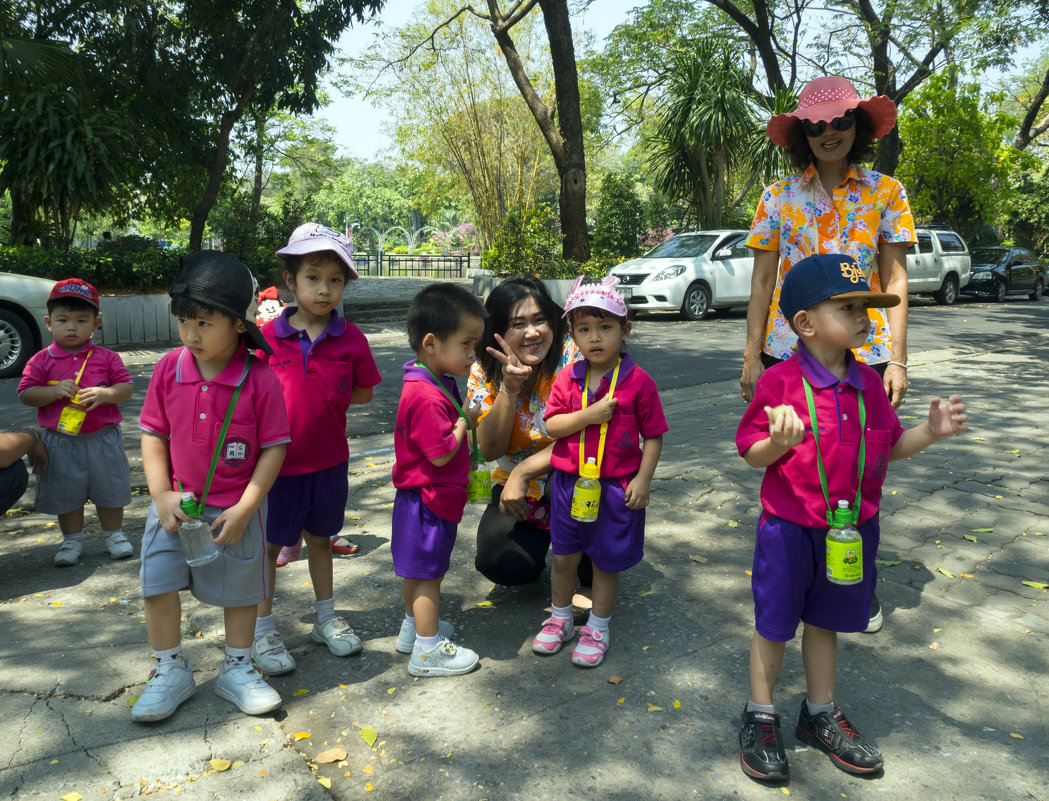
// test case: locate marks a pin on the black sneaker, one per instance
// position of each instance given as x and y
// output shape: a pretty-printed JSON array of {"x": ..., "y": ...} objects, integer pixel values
[
  {"x": 761, "y": 754},
  {"x": 837, "y": 738},
  {"x": 874, "y": 620}
]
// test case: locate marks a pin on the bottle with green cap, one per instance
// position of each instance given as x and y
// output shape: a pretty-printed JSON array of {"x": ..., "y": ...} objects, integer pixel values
[
  {"x": 479, "y": 479},
  {"x": 196, "y": 534},
  {"x": 844, "y": 548},
  {"x": 586, "y": 495}
]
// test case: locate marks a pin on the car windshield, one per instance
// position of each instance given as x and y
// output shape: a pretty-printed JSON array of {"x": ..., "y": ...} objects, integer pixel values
[
  {"x": 989, "y": 255},
  {"x": 682, "y": 246}
]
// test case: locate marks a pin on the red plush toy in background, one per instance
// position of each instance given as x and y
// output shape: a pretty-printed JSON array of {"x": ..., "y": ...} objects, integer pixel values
[{"x": 270, "y": 306}]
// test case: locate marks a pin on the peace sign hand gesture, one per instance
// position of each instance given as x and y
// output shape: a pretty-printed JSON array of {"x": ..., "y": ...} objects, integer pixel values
[{"x": 514, "y": 373}]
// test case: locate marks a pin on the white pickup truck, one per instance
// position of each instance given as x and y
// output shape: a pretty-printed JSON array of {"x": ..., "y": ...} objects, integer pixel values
[{"x": 938, "y": 264}]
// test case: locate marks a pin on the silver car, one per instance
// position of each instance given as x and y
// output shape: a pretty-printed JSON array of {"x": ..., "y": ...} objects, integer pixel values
[
  {"x": 691, "y": 272},
  {"x": 23, "y": 305}
]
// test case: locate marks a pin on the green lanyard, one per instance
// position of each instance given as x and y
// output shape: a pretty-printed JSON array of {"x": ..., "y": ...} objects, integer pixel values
[
  {"x": 604, "y": 426},
  {"x": 475, "y": 452},
  {"x": 819, "y": 457},
  {"x": 222, "y": 437}
]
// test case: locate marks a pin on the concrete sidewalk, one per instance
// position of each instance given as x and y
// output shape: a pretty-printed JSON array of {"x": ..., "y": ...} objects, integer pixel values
[{"x": 954, "y": 689}]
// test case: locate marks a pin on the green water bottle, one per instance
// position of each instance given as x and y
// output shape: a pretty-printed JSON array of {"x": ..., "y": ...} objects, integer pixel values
[
  {"x": 844, "y": 548},
  {"x": 586, "y": 494}
]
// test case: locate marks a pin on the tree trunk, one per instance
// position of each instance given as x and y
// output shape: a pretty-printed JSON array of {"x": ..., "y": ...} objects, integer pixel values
[
  {"x": 259, "y": 121},
  {"x": 889, "y": 149}
]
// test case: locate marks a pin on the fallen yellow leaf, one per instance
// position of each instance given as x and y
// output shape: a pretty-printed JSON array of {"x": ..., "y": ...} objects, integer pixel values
[
  {"x": 1017, "y": 735},
  {"x": 262, "y": 774},
  {"x": 72, "y": 797},
  {"x": 1039, "y": 585},
  {"x": 969, "y": 537},
  {"x": 368, "y": 734},
  {"x": 654, "y": 708},
  {"x": 391, "y": 691},
  {"x": 220, "y": 764},
  {"x": 749, "y": 573},
  {"x": 621, "y": 700},
  {"x": 368, "y": 786},
  {"x": 933, "y": 646},
  {"x": 302, "y": 735},
  {"x": 347, "y": 773},
  {"x": 300, "y": 692},
  {"x": 335, "y": 754},
  {"x": 936, "y": 631},
  {"x": 324, "y": 782},
  {"x": 615, "y": 679},
  {"x": 677, "y": 705},
  {"x": 945, "y": 572},
  {"x": 367, "y": 768},
  {"x": 981, "y": 530},
  {"x": 645, "y": 647},
  {"x": 784, "y": 790}
]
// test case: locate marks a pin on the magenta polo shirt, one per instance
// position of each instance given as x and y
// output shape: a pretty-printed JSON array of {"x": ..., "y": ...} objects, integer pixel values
[
  {"x": 188, "y": 412},
  {"x": 638, "y": 411},
  {"x": 54, "y": 363},
  {"x": 425, "y": 419},
  {"x": 317, "y": 378},
  {"x": 791, "y": 486}
]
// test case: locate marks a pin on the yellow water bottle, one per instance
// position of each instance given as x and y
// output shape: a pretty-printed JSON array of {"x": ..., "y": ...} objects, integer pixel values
[
  {"x": 844, "y": 548},
  {"x": 586, "y": 495},
  {"x": 71, "y": 420}
]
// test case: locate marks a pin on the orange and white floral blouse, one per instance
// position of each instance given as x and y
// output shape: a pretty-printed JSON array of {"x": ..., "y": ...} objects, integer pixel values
[
  {"x": 529, "y": 435},
  {"x": 867, "y": 208}
]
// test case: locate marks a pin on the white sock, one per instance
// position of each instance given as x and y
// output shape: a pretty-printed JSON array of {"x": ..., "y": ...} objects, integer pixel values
[
  {"x": 752, "y": 707},
  {"x": 169, "y": 654},
  {"x": 598, "y": 623},
  {"x": 815, "y": 709},
  {"x": 78, "y": 536},
  {"x": 236, "y": 656},
  {"x": 264, "y": 626},
  {"x": 428, "y": 643},
  {"x": 410, "y": 619},
  {"x": 325, "y": 610},
  {"x": 561, "y": 612},
  {"x": 107, "y": 533}
]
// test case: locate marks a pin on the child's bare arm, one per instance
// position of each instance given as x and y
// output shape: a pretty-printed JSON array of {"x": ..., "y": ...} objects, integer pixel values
[
  {"x": 944, "y": 420},
  {"x": 785, "y": 431},
  {"x": 46, "y": 394},
  {"x": 564, "y": 425},
  {"x": 233, "y": 522},
  {"x": 638, "y": 491},
  {"x": 459, "y": 432},
  {"x": 361, "y": 395},
  {"x": 156, "y": 466}
]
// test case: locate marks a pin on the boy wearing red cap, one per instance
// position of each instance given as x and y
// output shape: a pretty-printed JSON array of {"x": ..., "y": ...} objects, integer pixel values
[
  {"x": 824, "y": 431},
  {"x": 74, "y": 381}
]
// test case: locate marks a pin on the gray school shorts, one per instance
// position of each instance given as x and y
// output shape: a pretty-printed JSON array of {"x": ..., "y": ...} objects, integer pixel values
[
  {"x": 88, "y": 467},
  {"x": 236, "y": 578}
]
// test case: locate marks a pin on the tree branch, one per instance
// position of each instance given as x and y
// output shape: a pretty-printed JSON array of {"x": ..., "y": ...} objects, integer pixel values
[{"x": 1029, "y": 131}]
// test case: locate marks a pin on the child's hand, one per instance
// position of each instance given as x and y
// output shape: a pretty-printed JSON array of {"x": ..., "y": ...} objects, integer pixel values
[
  {"x": 601, "y": 411},
  {"x": 473, "y": 413},
  {"x": 948, "y": 418},
  {"x": 785, "y": 428},
  {"x": 514, "y": 373},
  {"x": 93, "y": 397},
  {"x": 638, "y": 492},
  {"x": 66, "y": 389},
  {"x": 169, "y": 509},
  {"x": 233, "y": 522}
]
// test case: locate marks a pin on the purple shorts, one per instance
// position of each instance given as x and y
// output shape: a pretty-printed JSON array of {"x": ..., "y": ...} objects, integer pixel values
[
  {"x": 422, "y": 542},
  {"x": 313, "y": 502},
  {"x": 614, "y": 542},
  {"x": 789, "y": 580}
]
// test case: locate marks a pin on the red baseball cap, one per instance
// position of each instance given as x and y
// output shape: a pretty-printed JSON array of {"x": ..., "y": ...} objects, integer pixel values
[{"x": 76, "y": 288}]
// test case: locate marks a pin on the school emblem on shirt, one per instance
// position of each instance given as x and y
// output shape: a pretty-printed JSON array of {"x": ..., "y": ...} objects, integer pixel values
[
  {"x": 235, "y": 452},
  {"x": 344, "y": 385}
]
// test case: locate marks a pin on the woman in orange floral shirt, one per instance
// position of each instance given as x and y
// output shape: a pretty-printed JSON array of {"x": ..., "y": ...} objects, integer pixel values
[{"x": 831, "y": 206}]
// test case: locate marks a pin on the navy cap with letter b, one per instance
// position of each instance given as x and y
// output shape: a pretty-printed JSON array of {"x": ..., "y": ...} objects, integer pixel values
[{"x": 815, "y": 279}]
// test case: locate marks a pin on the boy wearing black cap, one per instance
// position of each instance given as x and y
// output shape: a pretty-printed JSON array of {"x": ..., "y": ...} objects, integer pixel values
[
  {"x": 214, "y": 425},
  {"x": 821, "y": 390}
]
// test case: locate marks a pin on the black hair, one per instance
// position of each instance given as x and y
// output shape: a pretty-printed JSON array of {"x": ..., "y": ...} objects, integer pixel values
[
  {"x": 292, "y": 264},
  {"x": 593, "y": 311},
  {"x": 801, "y": 156},
  {"x": 502, "y": 302},
  {"x": 193, "y": 309},
  {"x": 70, "y": 304},
  {"x": 439, "y": 310}
]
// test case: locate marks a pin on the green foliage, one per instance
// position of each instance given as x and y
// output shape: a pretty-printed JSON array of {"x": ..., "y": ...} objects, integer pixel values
[
  {"x": 255, "y": 234},
  {"x": 131, "y": 263},
  {"x": 1027, "y": 221},
  {"x": 527, "y": 242},
  {"x": 620, "y": 218}
]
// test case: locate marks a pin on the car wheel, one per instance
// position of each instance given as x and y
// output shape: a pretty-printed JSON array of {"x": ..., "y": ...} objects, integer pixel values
[
  {"x": 948, "y": 293},
  {"x": 696, "y": 304},
  {"x": 1039, "y": 288},
  {"x": 999, "y": 291},
  {"x": 16, "y": 344}
]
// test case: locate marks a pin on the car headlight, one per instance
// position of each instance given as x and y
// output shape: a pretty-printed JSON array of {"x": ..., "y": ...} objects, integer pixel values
[
  {"x": 669, "y": 272},
  {"x": 980, "y": 275}
]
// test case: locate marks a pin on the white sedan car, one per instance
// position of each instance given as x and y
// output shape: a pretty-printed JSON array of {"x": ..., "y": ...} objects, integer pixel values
[
  {"x": 23, "y": 304},
  {"x": 691, "y": 272}
]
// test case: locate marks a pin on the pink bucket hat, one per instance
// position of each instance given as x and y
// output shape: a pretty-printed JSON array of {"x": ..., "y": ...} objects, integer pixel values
[
  {"x": 313, "y": 237},
  {"x": 827, "y": 98},
  {"x": 602, "y": 296}
]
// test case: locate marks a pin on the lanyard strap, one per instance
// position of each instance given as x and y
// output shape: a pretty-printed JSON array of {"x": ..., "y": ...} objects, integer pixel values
[
  {"x": 819, "y": 457},
  {"x": 222, "y": 436},
  {"x": 82, "y": 366},
  {"x": 604, "y": 426},
  {"x": 475, "y": 452}
]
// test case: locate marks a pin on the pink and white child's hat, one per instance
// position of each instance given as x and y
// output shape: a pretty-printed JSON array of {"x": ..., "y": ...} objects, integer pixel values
[
  {"x": 313, "y": 237},
  {"x": 601, "y": 295}
]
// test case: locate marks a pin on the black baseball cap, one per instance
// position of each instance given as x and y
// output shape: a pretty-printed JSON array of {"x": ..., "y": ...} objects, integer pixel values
[
  {"x": 815, "y": 279},
  {"x": 223, "y": 282}
]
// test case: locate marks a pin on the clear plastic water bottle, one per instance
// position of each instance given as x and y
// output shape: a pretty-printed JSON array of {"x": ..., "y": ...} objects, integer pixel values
[
  {"x": 844, "y": 548},
  {"x": 586, "y": 495},
  {"x": 479, "y": 479},
  {"x": 196, "y": 535}
]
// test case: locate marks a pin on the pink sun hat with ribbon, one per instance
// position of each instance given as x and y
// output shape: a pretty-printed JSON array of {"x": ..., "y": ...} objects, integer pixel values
[
  {"x": 828, "y": 98},
  {"x": 602, "y": 295}
]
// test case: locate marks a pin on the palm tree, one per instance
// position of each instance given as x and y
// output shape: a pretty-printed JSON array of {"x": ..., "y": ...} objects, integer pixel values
[{"x": 25, "y": 59}]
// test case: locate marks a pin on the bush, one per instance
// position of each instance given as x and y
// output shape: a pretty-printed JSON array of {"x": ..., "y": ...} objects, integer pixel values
[
  {"x": 620, "y": 218},
  {"x": 131, "y": 264},
  {"x": 527, "y": 242}
]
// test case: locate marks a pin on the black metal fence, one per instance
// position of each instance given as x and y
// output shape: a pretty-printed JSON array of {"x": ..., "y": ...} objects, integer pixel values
[{"x": 373, "y": 264}]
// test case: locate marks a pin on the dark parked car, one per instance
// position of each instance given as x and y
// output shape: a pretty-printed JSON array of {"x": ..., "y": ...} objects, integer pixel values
[{"x": 1001, "y": 271}]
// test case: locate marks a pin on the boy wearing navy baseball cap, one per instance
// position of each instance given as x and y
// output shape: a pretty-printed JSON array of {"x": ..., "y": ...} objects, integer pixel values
[{"x": 824, "y": 432}]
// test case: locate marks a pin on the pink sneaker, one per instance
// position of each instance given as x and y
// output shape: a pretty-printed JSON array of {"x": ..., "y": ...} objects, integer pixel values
[
  {"x": 289, "y": 553},
  {"x": 555, "y": 633},
  {"x": 590, "y": 652}
]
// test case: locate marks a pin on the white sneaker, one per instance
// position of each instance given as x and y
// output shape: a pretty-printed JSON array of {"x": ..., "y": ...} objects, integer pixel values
[
  {"x": 271, "y": 656},
  {"x": 68, "y": 553},
  {"x": 243, "y": 686},
  {"x": 406, "y": 638},
  {"x": 168, "y": 685},
  {"x": 118, "y": 546},
  {"x": 338, "y": 636},
  {"x": 445, "y": 659}
]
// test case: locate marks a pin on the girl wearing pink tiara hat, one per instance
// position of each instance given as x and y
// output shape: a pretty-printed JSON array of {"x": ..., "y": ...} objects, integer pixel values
[{"x": 599, "y": 410}]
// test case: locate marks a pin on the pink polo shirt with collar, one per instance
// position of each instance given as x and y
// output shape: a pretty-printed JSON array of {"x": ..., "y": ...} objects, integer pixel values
[
  {"x": 188, "y": 412},
  {"x": 317, "y": 378},
  {"x": 791, "y": 486},
  {"x": 638, "y": 411},
  {"x": 54, "y": 363}
]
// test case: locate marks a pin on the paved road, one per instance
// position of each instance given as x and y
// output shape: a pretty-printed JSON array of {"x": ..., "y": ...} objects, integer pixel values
[{"x": 954, "y": 688}]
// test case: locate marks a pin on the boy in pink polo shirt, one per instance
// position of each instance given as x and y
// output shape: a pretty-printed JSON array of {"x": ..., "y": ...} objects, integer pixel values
[
  {"x": 599, "y": 408},
  {"x": 324, "y": 364},
  {"x": 823, "y": 387},
  {"x": 432, "y": 451},
  {"x": 214, "y": 428},
  {"x": 76, "y": 374}
]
